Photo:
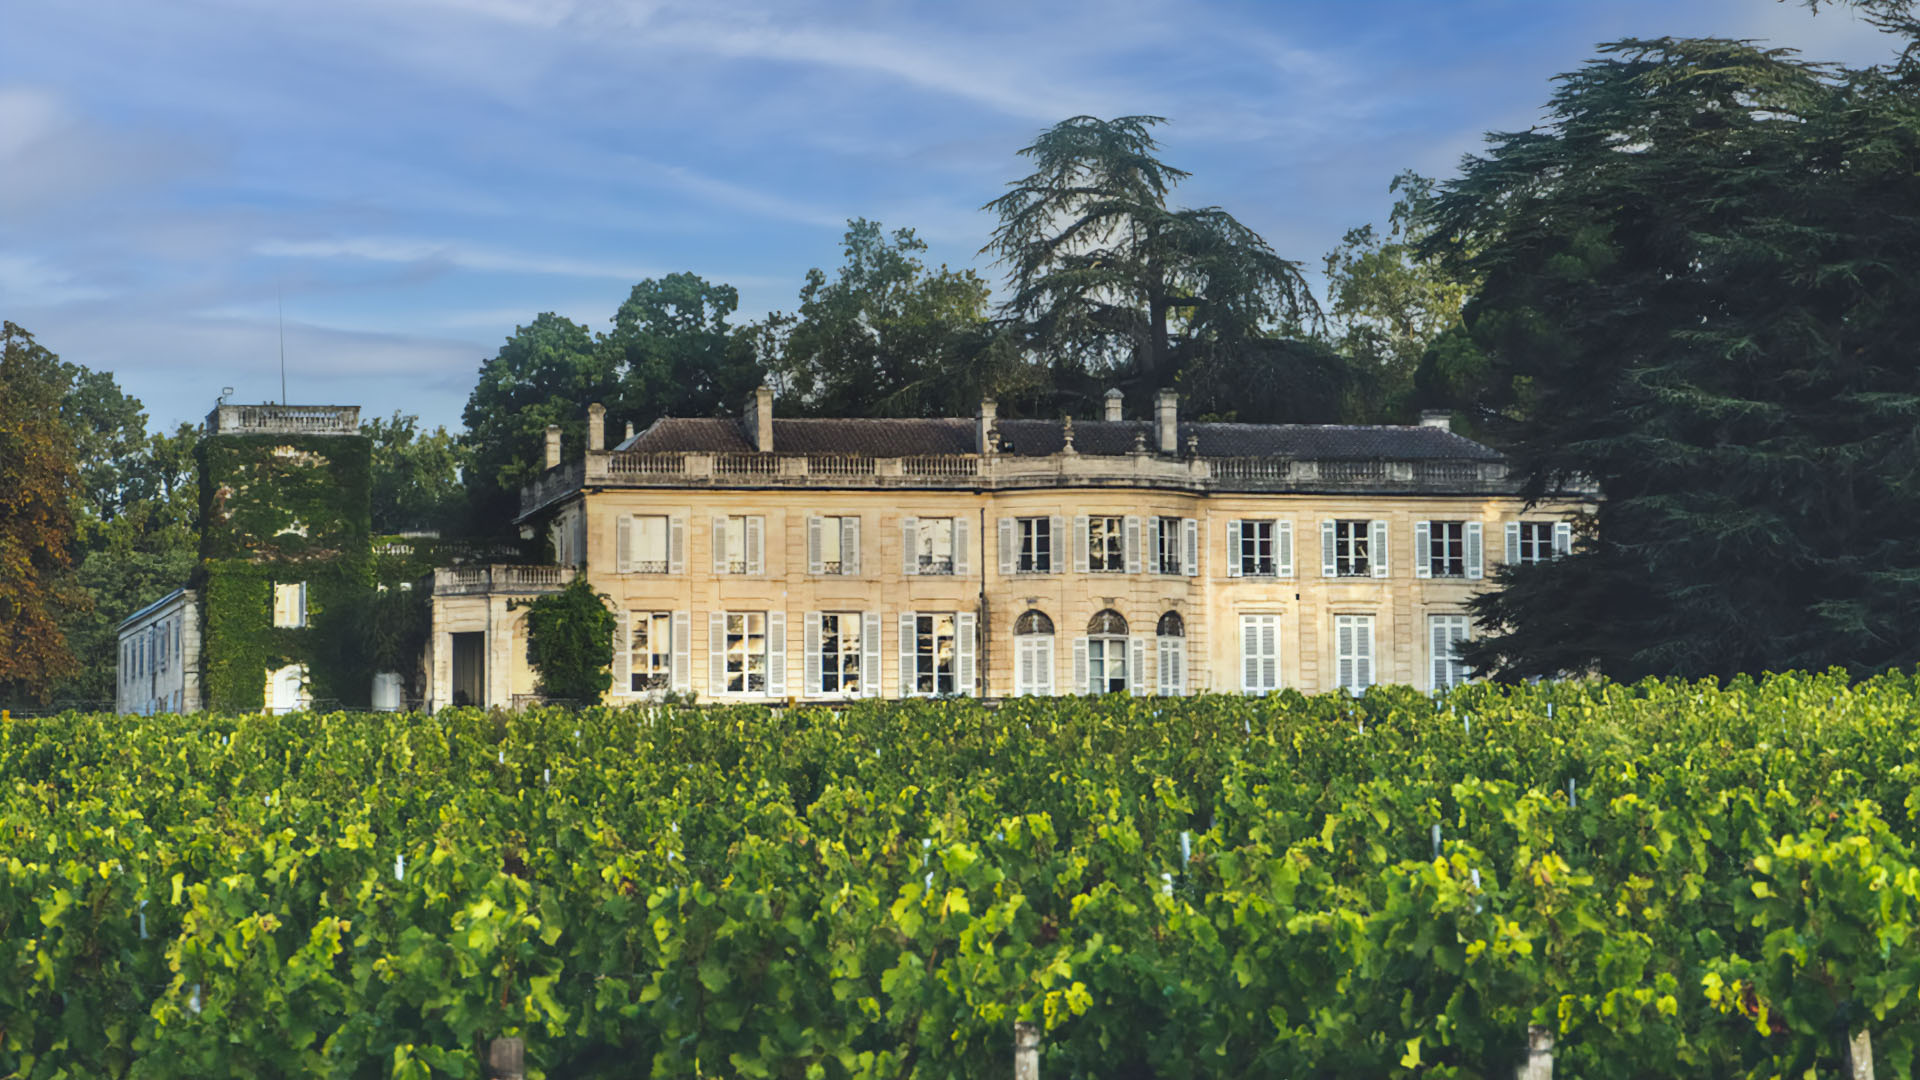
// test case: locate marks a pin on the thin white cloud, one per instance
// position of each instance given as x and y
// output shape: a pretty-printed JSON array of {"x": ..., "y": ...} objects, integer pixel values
[
  {"x": 27, "y": 282},
  {"x": 452, "y": 254}
]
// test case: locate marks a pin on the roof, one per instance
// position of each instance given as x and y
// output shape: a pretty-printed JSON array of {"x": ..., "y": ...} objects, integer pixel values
[
  {"x": 155, "y": 606},
  {"x": 1039, "y": 438}
]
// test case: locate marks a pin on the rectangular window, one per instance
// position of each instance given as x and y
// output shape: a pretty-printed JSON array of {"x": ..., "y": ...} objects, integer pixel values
[
  {"x": 647, "y": 537},
  {"x": 290, "y": 604},
  {"x": 840, "y": 653},
  {"x": 934, "y": 549},
  {"x": 1445, "y": 633},
  {"x": 650, "y": 650},
  {"x": 1106, "y": 545},
  {"x": 1167, "y": 555},
  {"x": 1536, "y": 542},
  {"x": 1033, "y": 664},
  {"x": 1172, "y": 652},
  {"x": 933, "y": 654},
  {"x": 832, "y": 561},
  {"x": 730, "y": 544},
  {"x": 1259, "y": 653},
  {"x": 1446, "y": 552},
  {"x": 1106, "y": 665},
  {"x": 746, "y": 646},
  {"x": 1353, "y": 548},
  {"x": 1353, "y": 648},
  {"x": 1256, "y": 549},
  {"x": 1033, "y": 537}
]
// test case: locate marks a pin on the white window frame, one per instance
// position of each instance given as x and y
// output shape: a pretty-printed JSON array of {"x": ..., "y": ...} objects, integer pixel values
[
  {"x": 1445, "y": 548},
  {"x": 1547, "y": 539},
  {"x": 1258, "y": 535},
  {"x": 930, "y": 629},
  {"x": 934, "y": 554},
  {"x": 1033, "y": 545},
  {"x": 1033, "y": 665},
  {"x": 1354, "y": 657},
  {"x": 1444, "y": 670},
  {"x": 1259, "y": 653},
  {"x": 743, "y": 628},
  {"x": 656, "y": 662},
  {"x": 289, "y": 605},
  {"x": 1353, "y": 548},
  {"x": 848, "y": 631},
  {"x": 1103, "y": 652},
  {"x": 833, "y": 545},
  {"x": 1106, "y": 544}
]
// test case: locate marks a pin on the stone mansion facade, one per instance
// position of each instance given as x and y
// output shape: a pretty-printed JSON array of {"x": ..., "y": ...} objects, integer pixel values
[{"x": 766, "y": 559}]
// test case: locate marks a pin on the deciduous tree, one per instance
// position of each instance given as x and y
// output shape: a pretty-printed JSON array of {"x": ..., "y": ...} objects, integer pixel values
[
  {"x": 39, "y": 485},
  {"x": 414, "y": 475}
]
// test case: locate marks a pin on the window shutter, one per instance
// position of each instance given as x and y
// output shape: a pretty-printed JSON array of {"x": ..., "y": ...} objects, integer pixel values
[
  {"x": 777, "y": 653},
  {"x": 1249, "y": 654},
  {"x": 1057, "y": 544},
  {"x": 1080, "y": 544},
  {"x": 1283, "y": 548},
  {"x": 810, "y": 653},
  {"x": 1152, "y": 545},
  {"x": 1130, "y": 543},
  {"x": 1513, "y": 543},
  {"x": 622, "y": 651},
  {"x": 1474, "y": 554},
  {"x": 1363, "y": 655},
  {"x": 719, "y": 545},
  {"x": 677, "y": 545},
  {"x": 1438, "y": 647},
  {"x": 1270, "y": 652},
  {"x": 1080, "y": 675},
  {"x": 963, "y": 633},
  {"x": 1190, "y": 538},
  {"x": 870, "y": 654},
  {"x": 1234, "y": 566},
  {"x": 1139, "y": 677},
  {"x": 909, "y": 545},
  {"x": 1043, "y": 664},
  {"x": 1422, "y": 549},
  {"x": 756, "y": 545},
  {"x": 1343, "y": 644},
  {"x": 1023, "y": 673},
  {"x": 1326, "y": 549},
  {"x": 962, "y": 555},
  {"x": 1006, "y": 546},
  {"x": 623, "y": 544},
  {"x": 1377, "y": 550},
  {"x": 716, "y": 653},
  {"x": 682, "y": 652},
  {"x": 907, "y": 667},
  {"x": 1562, "y": 545},
  {"x": 815, "y": 564},
  {"x": 850, "y": 546}
]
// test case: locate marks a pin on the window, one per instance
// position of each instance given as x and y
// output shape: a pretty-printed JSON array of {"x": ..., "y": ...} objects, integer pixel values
[
  {"x": 1166, "y": 553},
  {"x": 1170, "y": 638},
  {"x": 1259, "y": 653},
  {"x": 570, "y": 538},
  {"x": 1033, "y": 654},
  {"x": 1106, "y": 649},
  {"x": 933, "y": 654},
  {"x": 738, "y": 545},
  {"x": 833, "y": 545},
  {"x": 1106, "y": 545},
  {"x": 1353, "y": 648},
  {"x": 645, "y": 547},
  {"x": 1445, "y": 633},
  {"x": 1537, "y": 541},
  {"x": 933, "y": 549},
  {"x": 1256, "y": 549},
  {"x": 290, "y": 604},
  {"x": 1033, "y": 546},
  {"x": 1352, "y": 549},
  {"x": 1446, "y": 548},
  {"x": 650, "y": 650},
  {"x": 746, "y": 652},
  {"x": 839, "y": 653}
]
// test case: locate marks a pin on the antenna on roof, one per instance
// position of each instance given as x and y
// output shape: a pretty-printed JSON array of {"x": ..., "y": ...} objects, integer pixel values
[{"x": 280, "y": 308}]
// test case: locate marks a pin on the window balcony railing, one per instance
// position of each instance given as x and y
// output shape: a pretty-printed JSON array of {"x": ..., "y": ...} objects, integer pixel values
[{"x": 936, "y": 564}]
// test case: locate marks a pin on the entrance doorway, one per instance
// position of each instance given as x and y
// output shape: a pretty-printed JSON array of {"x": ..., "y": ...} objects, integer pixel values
[{"x": 470, "y": 668}]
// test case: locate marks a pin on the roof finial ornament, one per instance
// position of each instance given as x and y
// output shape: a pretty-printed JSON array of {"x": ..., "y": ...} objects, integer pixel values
[
  {"x": 1193, "y": 444},
  {"x": 1140, "y": 440},
  {"x": 1066, "y": 435}
]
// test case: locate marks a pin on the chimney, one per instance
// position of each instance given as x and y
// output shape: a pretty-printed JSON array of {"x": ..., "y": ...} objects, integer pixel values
[
  {"x": 1439, "y": 418},
  {"x": 1166, "y": 421},
  {"x": 1114, "y": 399},
  {"x": 758, "y": 419},
  {"x": 629, "y": 431},
  {"x": 553, "y": 446},
  {"x": 983, "y": 426},
  {"x": 596, "y": 428}
]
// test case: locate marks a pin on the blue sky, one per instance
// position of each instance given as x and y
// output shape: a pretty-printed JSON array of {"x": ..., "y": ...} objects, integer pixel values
[{"x": 412, "y": 179}]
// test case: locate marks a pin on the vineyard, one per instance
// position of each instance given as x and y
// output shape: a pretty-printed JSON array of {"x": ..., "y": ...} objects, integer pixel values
[{"x": 1677, "y": 880}]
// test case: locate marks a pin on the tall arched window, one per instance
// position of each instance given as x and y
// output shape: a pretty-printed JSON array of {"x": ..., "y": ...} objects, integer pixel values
[
  {"x": 1100, "y": 658},
  {"x": 1033, "y": 654},
  {"x": 1170, "y": 639}
]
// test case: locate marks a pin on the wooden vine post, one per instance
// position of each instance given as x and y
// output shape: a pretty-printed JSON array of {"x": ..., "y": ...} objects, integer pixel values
[
  {"x": 1026, "y": 1051},
  {"x": 1858, "y": 1055},
  {"x": 507, "y": 1058},
  {"x": 1539, "y": 1062}
]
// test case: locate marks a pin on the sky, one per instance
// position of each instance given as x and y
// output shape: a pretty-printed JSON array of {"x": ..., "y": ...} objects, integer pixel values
[{"x": 395, "y": 185}]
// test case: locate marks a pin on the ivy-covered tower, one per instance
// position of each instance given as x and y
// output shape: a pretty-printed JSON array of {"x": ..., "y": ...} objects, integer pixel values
[{"x": 286, "y": 560}]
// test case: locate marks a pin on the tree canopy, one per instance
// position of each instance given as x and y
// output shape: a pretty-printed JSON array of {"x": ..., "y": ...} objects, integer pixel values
[
  {"x": 1696, "y": 293},
  {"x": 39, "y": 485},
  {"x": 414, "y": 475}
]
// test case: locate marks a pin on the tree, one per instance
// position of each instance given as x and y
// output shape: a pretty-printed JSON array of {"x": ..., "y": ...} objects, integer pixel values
[
  {"x": 886, "y": 336},
  {"x": 1387, "y": 304},
  {"x": 570, "y": 642},
  {"x": 1110, "y": 285},
  {"x": 674, "y": 353},
  {"x": 39, "y": 480},
  {"x": 1696, "y": 293},
  {"x": 414, "y": 480},
  {"x": 544, "y": 374}
]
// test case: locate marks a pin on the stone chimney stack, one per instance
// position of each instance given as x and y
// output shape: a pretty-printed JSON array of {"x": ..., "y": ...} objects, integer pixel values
[
  {"x": 553, "y": 446},
  {"x": 983, "y": 426},
  {"x": 629, "y": 431},
  {"x": 596, "y": 428},
  {"x": 1439, "y": 418},
  {"x": 1114, "y": 400},
  {"x": 758, "y": 419},
  {"x": 1166, "y": 422}
]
